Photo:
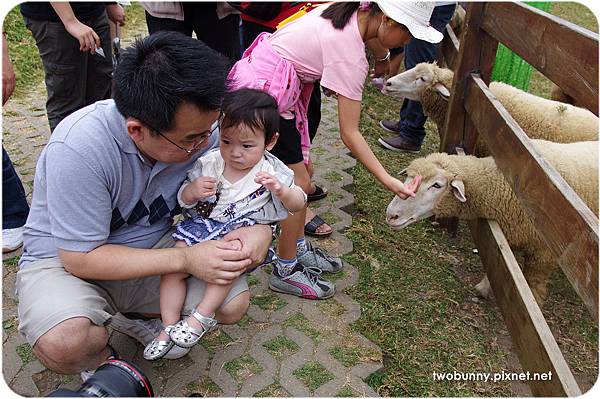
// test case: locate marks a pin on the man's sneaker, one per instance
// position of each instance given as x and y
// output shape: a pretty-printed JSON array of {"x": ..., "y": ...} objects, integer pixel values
[
  {"x": 144, "y": 331},
  {"x": 12, "y": 239},
  {"x": 316, "y": 258},
  {"x": 390, "y": 126},
  {"x": 303, "y": 282},
  {"x": 398, "y": 143}
]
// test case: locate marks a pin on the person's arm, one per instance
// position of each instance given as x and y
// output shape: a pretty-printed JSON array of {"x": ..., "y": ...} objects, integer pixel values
[
  {"x": 382, "y": 57},
  {"x": 115, "y": 13},
  {"x": 88, "y": 39},
  {"x": 215, "y": 262},
  {"x": 349, "y": 116},
  {"x": 80, "y": 207},
  {"x": 8, "y": 72},
  {"x": 293, "y": 198}
]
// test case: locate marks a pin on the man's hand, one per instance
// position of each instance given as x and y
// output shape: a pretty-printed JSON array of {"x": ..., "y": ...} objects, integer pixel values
[
  {"x": 216, "y": 262},
  {"x": 116, "y": 14},
  {"x": 255, "y": 241},
  {"x": 88, "y": 39}
]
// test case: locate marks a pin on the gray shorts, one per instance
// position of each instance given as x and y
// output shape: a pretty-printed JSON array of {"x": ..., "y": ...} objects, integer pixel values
[{"x": 49, "y": 295}]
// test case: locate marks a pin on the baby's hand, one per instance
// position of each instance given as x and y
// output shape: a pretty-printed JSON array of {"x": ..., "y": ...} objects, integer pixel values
[
  {"x": 203, "y": 187},
  {"x": 270, "y": 182}
]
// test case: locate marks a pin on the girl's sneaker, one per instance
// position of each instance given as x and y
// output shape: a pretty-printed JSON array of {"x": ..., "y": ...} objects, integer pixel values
[
  {"x": 303, "y": 281},
  {"x": 316, "y": 258}
]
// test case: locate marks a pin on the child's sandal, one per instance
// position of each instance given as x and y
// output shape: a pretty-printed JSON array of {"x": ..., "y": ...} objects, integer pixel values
[
  {"x": 187, "y": 336},
  {"x": 157, "y": 349}
]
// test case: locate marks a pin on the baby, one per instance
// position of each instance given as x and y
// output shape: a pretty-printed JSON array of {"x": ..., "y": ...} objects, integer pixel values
[{"x": 239, "y": 184}]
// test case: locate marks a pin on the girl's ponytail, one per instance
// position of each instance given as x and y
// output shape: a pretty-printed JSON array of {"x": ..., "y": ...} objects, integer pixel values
[{"x": 340, "y": 13}]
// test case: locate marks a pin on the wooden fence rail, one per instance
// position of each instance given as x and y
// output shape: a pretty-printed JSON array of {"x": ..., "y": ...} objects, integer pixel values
[{"x": 568, "y": 55}]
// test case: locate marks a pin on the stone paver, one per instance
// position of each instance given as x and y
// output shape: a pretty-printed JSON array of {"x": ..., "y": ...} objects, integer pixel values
[{"x": 319, "y": 330}]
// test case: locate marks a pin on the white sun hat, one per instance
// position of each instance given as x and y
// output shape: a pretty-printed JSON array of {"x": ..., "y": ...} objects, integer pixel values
[{"x": 414, "y": 15}]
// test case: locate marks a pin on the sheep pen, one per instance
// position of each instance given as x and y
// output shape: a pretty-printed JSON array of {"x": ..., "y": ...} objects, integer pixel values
[
  {"x": 539, "y": 118},
  {"x": 469, "y": 188}
]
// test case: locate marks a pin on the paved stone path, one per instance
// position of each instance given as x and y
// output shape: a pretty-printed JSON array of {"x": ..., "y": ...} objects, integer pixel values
[{"x": 284, "y": 346}]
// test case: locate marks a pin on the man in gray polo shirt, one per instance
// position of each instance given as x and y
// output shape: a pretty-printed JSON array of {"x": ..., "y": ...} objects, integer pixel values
[{"x": 98, "y": 235}]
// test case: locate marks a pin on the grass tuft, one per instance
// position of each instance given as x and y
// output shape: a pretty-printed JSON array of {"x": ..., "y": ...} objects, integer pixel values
[{"x": 313, "y": 375}]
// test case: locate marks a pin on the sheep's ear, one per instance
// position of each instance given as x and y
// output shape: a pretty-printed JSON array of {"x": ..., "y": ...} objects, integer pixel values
[
  {"x": 443, "y": 90},
  {"x": 458, "y": 189}
]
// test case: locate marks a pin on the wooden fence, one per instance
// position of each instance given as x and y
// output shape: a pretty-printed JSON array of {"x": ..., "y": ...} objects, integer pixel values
[{"x": 568, "y": 55}]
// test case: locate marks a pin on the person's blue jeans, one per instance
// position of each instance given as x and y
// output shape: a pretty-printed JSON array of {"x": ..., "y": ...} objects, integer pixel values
[
  {"x": 412, "y": 119},
  {"x": 14, "y": 203}
]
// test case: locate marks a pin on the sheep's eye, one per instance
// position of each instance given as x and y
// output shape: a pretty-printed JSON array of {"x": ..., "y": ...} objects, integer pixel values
[
  {"x": 422, "y": 79},
  {"x": 436, "y": 185}
]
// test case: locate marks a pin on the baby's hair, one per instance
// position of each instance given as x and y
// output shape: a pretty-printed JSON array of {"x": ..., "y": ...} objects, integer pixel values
[{"x": 256, "y": 109}]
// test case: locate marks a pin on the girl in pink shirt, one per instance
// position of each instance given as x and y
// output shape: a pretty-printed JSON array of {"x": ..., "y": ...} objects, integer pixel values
[{"x": 327, "y": 44}]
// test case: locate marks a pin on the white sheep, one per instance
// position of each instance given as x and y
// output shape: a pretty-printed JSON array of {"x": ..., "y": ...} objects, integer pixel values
[
  {"x": 539, "y": 118},
  {"x": 469, "y": 188}
]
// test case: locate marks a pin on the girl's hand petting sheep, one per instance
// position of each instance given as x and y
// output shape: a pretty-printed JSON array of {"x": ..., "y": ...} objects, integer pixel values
[{"x": 405, "y": 190}]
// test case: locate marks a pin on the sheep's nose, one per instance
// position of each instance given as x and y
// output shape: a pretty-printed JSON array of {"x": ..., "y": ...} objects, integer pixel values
[
  {"x": 391, "y": 218},
  {"x": 388, "y": 83}
]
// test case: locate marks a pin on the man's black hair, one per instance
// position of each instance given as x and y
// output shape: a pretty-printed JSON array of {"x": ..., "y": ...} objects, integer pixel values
[
  {"x": 161, "y": 71},
  {"x": 256, "y": 109}
]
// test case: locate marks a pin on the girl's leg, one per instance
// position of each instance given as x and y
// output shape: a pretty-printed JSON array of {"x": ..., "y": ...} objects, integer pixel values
[
  {"x": 172, "y": 296},
  {"x": 214, "y": 296},
  {"x": 292, "y": 228}
]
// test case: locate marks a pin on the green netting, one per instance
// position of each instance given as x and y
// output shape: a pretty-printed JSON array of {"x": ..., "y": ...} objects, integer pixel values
[{"x": 509, "y": 67}]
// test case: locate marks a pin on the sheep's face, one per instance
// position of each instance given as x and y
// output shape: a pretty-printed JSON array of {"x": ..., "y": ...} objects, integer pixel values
[
  {"x": 411, "y": 84},
  {"x": 436, "y": 183}
]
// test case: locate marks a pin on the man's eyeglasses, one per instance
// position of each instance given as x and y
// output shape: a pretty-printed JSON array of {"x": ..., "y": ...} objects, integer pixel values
[{"x": 198, "y": 142}]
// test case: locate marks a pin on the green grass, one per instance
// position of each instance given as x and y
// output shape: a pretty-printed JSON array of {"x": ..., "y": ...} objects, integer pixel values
[
  {"x": 243, "y": 368},
  {"x": 301, "y": 323},
  {"x": 281, "y": 346},
  {"x": 24, "y": 54},
  {"x": 415, "y": 288},
  {"x": 331, "y": 306},
  {"x": 275, "y": 390},
  {"x": 411, "y": 296},
  {"x": 330, "y": 217},
  {"x": 333, "y": 176},
  {"x": 346, "y": 392},
  {"x": 268, "y": 301},
  {"x": 10, "y": 325},
  {"x": 252, "y": 280},
  {"x": 11, "y": 264},
  {"x": 25, "y": 353},
  {"x": 313, "y": 375},
  {"x": 245, "y": 322},
  {"x": 215, "y": 341},
  {"x": 347, "y": 356},
  {"x": 204, "y": 387}
]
